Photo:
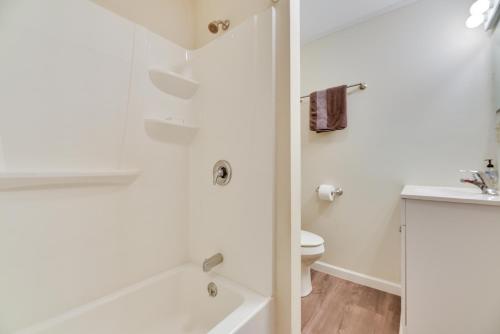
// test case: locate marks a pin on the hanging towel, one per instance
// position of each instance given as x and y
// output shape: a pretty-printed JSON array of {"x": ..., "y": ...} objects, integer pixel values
[{"x": 328, "y": 109}]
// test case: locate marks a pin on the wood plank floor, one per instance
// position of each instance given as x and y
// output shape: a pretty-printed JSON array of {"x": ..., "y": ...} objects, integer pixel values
[{"x": 337, "y": 306}]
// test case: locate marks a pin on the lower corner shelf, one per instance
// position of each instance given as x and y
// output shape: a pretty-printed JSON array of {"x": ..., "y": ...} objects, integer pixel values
[{"x": 173, "y": 124}]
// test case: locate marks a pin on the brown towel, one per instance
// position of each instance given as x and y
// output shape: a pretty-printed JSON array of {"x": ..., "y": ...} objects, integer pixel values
[{"x": 328, "y": 110}]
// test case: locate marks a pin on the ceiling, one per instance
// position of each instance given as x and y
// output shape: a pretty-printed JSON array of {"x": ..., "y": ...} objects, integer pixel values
[{"x": 321, "y": 17}]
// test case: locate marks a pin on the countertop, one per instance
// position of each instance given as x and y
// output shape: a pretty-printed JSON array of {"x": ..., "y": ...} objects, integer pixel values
[{"x": 449, "y": 194}]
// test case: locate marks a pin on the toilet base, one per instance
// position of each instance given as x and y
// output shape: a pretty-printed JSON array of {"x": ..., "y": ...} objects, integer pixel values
[
  {"x": 309, "y": 255},
  {"x": 306, "y": 280}
]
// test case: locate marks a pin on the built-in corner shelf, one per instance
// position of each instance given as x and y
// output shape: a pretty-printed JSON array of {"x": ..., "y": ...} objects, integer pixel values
[
  {"x": 173, "y": 124},
  {"x": 173, "y": 84},
  {"x": 11, "y": 180}
]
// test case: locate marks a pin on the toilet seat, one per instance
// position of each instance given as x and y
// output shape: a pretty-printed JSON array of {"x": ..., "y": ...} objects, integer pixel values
[
  {"x": 312, "y": 251},
  {"x": 308, "y": 239},
  {"x": 311, "y": 244}
]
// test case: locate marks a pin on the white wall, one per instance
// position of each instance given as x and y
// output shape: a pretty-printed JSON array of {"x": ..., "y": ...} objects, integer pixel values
[
  {"x": 496, "y": 65},
  {"x": 154, "y": 209},
  {"x": 496, "y": 84},
  {"x": 237, "y": 11},
  {"x": 65, "y": 105},
  {"x": 185, "y": 22},
  {"x": 172, "y": 19},
  {"x": 287, "y": 236},
  {"x": 237, "y": 117},
  {"x": 426, "y": 114},
  {"x": 58, "y": 83}
]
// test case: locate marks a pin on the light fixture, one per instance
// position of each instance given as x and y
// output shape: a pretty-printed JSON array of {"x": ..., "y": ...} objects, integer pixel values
[
  {"x": 493, "y": 15},
  {"x": 475, "y": 21},
  {"x": 480, "y": 7},
  {"x": 484, "y": 11}
]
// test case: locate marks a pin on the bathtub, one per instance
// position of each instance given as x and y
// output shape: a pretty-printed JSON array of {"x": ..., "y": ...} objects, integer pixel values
[{"x": 173, "y": 302}]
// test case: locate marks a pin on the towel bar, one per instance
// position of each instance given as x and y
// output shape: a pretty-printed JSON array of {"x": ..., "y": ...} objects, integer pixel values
[{"x": 361, "y": 86}]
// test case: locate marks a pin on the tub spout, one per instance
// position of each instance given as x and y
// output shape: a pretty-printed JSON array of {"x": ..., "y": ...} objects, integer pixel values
[{"x": 212, "y": 261}]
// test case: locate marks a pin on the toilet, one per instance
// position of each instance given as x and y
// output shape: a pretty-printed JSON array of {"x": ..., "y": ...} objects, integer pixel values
[{"x": 312, "y": 248}]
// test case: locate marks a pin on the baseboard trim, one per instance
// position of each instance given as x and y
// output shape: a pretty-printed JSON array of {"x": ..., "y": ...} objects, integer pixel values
[{"x": 361, "y": 279}]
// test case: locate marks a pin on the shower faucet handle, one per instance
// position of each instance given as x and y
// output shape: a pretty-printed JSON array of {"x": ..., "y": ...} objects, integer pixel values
[
  {"x": 222, "y": 173},
  {"x": 219, "y": 173}
]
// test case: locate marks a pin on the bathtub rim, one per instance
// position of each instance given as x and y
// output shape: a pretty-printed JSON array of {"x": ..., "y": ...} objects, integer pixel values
[{"x": 252, "y": 303}]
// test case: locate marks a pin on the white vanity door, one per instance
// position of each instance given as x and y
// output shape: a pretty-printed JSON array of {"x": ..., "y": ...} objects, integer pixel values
[{"x": 452, "y": 268}]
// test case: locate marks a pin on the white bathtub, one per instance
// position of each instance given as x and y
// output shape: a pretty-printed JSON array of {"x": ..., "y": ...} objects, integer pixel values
[{"x": 174, "y": 302}]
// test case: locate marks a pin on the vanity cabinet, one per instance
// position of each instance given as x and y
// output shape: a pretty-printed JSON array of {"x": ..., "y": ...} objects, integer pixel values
[{"x": 450, "y": 261}]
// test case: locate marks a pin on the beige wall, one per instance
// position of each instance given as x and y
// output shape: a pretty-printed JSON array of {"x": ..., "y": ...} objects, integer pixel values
[
  {"x": 234, "y": 10},
  {"x": 172, "y": 19},
  {"x": 426, "y": 114}
]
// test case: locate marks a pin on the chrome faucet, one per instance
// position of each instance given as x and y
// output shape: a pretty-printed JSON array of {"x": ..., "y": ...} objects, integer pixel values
[
  {"x": 483, "y": 182},
  {"x": 212, "y": 261}
]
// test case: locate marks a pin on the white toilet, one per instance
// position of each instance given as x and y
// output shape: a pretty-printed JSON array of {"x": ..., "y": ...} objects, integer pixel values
[{"x": 312, "y": 248}]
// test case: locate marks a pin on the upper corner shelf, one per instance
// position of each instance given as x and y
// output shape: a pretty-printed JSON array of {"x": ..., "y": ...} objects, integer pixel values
[
  {"x": 173, "y": 83},
  {"x": 25, "y": 180}
]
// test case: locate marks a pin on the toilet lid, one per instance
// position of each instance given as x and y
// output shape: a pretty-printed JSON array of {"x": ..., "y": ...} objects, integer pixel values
[{"x": 308, "y": 239}]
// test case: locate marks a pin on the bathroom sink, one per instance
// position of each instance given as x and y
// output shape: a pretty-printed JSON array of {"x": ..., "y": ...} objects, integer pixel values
[{"x": 449, "y": 194}]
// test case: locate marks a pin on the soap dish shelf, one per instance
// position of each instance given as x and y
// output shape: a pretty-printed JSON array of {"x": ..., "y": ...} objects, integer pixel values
[
  {"x": 14, "y": 180},
  {"x": 173, "y": 83},
  {"x": 172, "y": 123}
]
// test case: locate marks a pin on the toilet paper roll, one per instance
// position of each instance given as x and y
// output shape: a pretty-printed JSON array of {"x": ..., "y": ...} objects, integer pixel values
[{"x": 326, "y": 192}]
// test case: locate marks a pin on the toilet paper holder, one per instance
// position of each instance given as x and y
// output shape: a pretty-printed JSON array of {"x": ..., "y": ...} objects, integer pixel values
[{"x": 335, "y": 191}]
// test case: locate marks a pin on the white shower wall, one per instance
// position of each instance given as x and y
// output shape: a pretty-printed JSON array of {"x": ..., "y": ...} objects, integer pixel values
[
  {"x": 237, "y": 123},
  {"x": 65, "y": 73},
  {"x": 74, "y": 94}
]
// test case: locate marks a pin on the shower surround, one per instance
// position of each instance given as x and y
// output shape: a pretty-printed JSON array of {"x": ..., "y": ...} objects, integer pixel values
[{"x": 77, "y": 95}]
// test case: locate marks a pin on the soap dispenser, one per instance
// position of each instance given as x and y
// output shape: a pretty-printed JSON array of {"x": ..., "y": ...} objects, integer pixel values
[{"x": 492, "y": 172}]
